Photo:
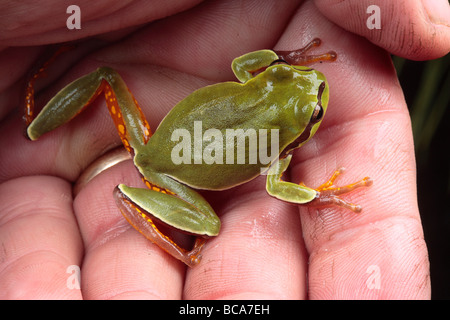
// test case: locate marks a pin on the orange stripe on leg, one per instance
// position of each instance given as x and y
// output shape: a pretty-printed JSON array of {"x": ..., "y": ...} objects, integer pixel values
[
  {"x": 143, "y": 223},
  {"x": 144, "y": 124},
  {"x": 116, "y": 115},
  {"x": 39, "y": 73}
]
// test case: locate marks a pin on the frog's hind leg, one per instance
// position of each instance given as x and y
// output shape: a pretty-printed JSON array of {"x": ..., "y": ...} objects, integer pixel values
[
  {"x": 133, "y": 129},
  {"x": 39, "y": 72},
  {"x": 142, "y": 207}
]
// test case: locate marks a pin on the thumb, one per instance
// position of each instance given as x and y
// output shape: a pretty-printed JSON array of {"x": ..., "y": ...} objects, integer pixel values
[{"x": 413, "y": 29}]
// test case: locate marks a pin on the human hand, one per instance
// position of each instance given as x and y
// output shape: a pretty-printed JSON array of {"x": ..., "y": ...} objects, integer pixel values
[{"x": 266, "y": 247}]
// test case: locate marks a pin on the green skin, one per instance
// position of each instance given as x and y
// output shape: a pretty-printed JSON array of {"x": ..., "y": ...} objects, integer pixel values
[{"x": 291, "y": 99}]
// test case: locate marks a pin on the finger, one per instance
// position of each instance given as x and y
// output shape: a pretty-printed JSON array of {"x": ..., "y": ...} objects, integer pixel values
[
  {"x": 119, "y": 262},
  {"x": 367, "y": 130},
  {"x": 414, "y": 29},
  {"x": 180, "y": 85},
  {"x": 40, "y": 240},
  {"x": 259, "y": 253},
  {"x": 92, "y": 132},
  {"x": 157, "y": 87},
  {"x": 20, "y": 28},
  {"x": 203, "y": 41}
]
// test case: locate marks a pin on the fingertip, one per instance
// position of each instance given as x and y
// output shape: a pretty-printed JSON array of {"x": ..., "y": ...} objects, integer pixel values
[{"x": 438, "y": 11}]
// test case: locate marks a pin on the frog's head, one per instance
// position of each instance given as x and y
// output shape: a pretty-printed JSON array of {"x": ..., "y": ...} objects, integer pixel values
[
  {"x": 317, "y": 97},
  {"x": 306, "y": 91}
]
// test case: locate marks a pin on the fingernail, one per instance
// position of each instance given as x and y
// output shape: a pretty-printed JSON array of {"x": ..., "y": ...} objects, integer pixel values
[{"x": 438, "y": 11}]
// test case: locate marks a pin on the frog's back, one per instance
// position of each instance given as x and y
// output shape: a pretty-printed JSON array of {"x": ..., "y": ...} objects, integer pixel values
[{"x": 193, "y": 142}]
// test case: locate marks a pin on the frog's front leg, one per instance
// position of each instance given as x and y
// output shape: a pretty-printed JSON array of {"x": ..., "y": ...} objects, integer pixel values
[
  {"x": 325, "y": 195},
  {"x": 172, "y": 204},
  {"x": 300, "y": 56},
  {"x": 248, "y": 65},
  {"x": 328, "y": 193}
]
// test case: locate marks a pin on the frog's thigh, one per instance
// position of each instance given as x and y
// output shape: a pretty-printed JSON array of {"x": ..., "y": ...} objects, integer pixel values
[
  {"x": 139, "y": 206},
  {"x": 168, "y": 209}
]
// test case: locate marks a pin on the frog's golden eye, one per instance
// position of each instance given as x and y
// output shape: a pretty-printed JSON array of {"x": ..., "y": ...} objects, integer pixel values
[
  {"x": 317, "y": 114},
  {"x": 318, "y": 110}
]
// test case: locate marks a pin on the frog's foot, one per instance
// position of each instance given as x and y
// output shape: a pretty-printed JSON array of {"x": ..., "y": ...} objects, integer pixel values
[
  {"x": 194, "y": 256},
  {"x": 328, "y": 193},
  {"x": 299, "y": 56},
  {"x": 40, "y": 72}
]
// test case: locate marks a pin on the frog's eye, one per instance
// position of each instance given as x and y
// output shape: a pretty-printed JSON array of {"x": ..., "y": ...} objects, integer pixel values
[
  {"x": 278, "y": 61},
  {"x": 318, "y": 110},
  {"x": 317, "y": 114}
]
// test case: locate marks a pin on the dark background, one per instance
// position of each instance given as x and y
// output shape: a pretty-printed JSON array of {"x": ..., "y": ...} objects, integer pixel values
[{"x": 427, "y": 92}]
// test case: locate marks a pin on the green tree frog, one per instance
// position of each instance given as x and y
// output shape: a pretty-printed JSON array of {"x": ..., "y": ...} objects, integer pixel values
[{"x": 275, "y": 97}]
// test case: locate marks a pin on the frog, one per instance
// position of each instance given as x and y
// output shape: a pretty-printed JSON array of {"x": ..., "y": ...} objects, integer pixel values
[{"x": 276, "y": 95}]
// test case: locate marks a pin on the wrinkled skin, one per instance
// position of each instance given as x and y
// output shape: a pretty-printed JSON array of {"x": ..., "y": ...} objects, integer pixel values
[{"x": 266, "y": 247}]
